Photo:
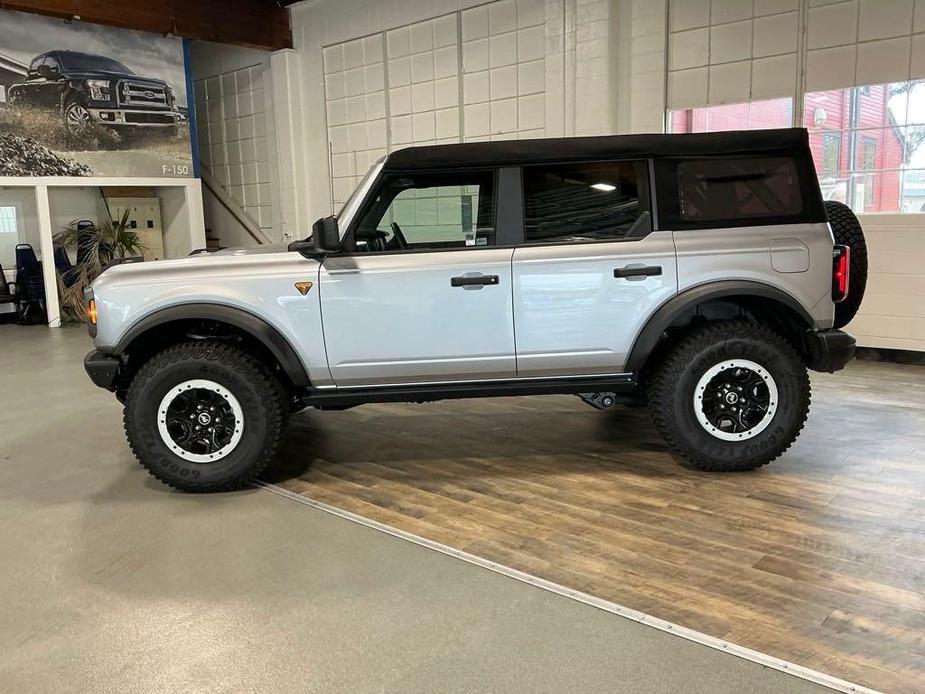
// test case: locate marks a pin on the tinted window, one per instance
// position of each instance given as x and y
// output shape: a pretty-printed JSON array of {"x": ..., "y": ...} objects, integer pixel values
[
  {"x": 734, "y": 189},
  {"x": 429, "y": 210},
  {"x": 583, "y": 202}
]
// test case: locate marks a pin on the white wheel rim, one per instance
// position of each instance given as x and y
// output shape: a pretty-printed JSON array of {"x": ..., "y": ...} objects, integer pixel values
[
  {"x": 198, "y": 420},
  {"x": 708, "y": 393}
]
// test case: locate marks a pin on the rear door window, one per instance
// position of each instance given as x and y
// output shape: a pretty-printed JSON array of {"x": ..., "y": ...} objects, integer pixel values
[{"x": 595, "y": 201}]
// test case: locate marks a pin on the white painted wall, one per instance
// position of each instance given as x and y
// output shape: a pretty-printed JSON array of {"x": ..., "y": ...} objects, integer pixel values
[{"x": 893, "y": 312}]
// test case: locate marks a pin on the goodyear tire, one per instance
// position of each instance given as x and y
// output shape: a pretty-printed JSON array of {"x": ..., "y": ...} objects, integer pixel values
[
  {"x": 204, "y": 416},
  {"x": 730, "y": 396},
  {"x": 847, "y": 232}
]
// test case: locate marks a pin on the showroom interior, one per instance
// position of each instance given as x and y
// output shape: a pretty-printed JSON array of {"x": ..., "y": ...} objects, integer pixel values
[{"x": 509, "y": 544}]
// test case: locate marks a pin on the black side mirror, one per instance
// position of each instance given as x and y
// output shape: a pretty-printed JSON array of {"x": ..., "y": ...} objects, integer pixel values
[
  {"x": 325, "y": 237},
  {"x": 47, "y": 72},
  {"x": 326, "y": 234}
]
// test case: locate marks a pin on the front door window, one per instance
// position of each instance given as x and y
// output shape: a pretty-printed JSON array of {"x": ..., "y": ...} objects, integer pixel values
[{"x": 431, "y": 211}]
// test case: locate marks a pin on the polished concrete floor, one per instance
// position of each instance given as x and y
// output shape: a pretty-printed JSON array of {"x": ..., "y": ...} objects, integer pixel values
[{"x": 109, "y": 582}]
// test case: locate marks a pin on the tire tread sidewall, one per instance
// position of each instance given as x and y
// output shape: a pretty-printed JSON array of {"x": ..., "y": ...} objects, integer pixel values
[
  {"x": 671, "y": 396},
  {"x": 258, "y": 392}
]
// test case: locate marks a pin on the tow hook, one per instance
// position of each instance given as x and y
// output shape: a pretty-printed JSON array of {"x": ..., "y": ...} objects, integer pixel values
[{"x": 599, "y": 401}]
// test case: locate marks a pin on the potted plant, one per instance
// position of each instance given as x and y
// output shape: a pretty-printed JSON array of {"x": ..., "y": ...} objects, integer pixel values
[{"x": 99, "y": 246}]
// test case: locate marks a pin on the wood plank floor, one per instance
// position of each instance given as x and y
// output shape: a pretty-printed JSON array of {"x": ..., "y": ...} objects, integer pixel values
[{"x": 818, "y": 558}]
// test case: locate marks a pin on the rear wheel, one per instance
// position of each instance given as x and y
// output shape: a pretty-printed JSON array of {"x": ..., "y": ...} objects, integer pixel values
[
  {"x": 847, "y": 232},
  {"x": 731, "y": 396},
  {"x": 204, "y": 416}
]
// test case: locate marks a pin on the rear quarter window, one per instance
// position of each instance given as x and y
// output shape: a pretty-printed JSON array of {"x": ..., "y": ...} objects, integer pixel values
[
  {"x": 737, "y": 190},
  {"x": 730, "y": 189}
]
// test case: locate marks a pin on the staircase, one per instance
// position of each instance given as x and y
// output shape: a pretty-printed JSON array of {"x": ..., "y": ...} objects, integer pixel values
[{"x": 228, "y": 224}]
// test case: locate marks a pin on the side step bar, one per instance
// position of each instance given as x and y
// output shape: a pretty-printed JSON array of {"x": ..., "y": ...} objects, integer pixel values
[{"x": 347, "y": 397}]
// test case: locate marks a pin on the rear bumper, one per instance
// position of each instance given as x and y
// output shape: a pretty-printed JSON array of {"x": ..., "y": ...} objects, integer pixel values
[
  {"x": 829, "y": 350},
  {"x": 102, "y": 369}
]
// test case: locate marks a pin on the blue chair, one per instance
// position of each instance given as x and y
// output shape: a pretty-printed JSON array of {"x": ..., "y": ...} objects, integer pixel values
[{"x": 30, "y": 284}]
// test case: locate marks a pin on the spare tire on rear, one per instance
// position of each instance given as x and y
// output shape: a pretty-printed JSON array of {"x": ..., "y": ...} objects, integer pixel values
[{"x": 847, "y": 232}]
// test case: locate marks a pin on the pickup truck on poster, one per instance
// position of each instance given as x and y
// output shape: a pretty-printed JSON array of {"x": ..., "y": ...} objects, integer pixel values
[{"x": 89, "y": 88}]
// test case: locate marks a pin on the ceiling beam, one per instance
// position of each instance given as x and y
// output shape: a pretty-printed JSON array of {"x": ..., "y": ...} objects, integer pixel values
[{"x": 253, "y": 23}]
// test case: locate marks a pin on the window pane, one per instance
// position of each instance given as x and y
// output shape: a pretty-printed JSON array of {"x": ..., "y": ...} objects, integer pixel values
[
  {"x": 7, "y": 220},
  {"x": 731, "y": 189},
  {"x": 434, "y": 210},
  {"x": 580, "y": 202},
  {"x": 753, "y": 115},
  {"x": 913, "y": 191},
  {"x": 9, "y": 236}
]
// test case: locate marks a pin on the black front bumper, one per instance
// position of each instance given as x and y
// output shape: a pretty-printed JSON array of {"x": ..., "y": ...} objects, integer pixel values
[
  {"x": 828, "y": 350},
  {"x": 102, "y": 369}
]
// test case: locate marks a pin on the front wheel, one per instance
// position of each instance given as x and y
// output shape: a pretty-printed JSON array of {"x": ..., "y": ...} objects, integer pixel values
[
  {"x": 731, "y": 396},
  {"x": 204, "y": 416},
  {"x": 76, "y": 114}
]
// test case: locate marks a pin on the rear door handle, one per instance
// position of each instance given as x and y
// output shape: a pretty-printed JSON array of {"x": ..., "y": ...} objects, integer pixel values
[
  {"x": 640, "y": 271},
  {"x": 474, "y": 281}
]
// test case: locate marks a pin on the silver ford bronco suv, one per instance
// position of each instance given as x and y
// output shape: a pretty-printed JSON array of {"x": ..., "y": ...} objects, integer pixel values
[{"x": 701, "y": 275}]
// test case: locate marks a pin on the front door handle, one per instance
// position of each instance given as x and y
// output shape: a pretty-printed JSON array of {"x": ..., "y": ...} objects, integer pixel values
[
  {"x": 474, "y": 281},
  {"x": 637, "y": 271}
]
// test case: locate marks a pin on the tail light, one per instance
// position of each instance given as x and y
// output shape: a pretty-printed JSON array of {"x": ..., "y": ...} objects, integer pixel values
[{"x": 841, "y": 263}]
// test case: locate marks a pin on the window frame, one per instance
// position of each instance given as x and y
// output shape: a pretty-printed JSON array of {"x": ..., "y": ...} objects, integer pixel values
[{"x": 643, "y": 168}]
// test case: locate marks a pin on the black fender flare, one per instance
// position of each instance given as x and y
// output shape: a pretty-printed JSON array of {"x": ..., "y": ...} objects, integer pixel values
[
  {"x": 665, "y": 315},
  {"x": 253, "y": 325}
]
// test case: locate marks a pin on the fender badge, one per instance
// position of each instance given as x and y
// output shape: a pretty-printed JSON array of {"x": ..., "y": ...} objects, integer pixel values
[{"x": 303, "y": 287}]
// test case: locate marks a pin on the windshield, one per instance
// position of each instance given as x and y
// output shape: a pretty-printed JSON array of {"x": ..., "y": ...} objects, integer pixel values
[{"x": 84, "y": 62}]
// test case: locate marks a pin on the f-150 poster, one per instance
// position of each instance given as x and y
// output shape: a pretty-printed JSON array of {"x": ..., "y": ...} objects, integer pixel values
[{"x": 79, "y": 99}]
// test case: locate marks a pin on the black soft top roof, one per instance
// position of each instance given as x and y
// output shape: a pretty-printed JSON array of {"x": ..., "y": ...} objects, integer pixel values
[{"x": 516, "y": 152}]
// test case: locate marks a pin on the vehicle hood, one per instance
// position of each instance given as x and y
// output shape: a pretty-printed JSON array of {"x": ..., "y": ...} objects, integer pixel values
[{"x": 231, "y": 263}]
